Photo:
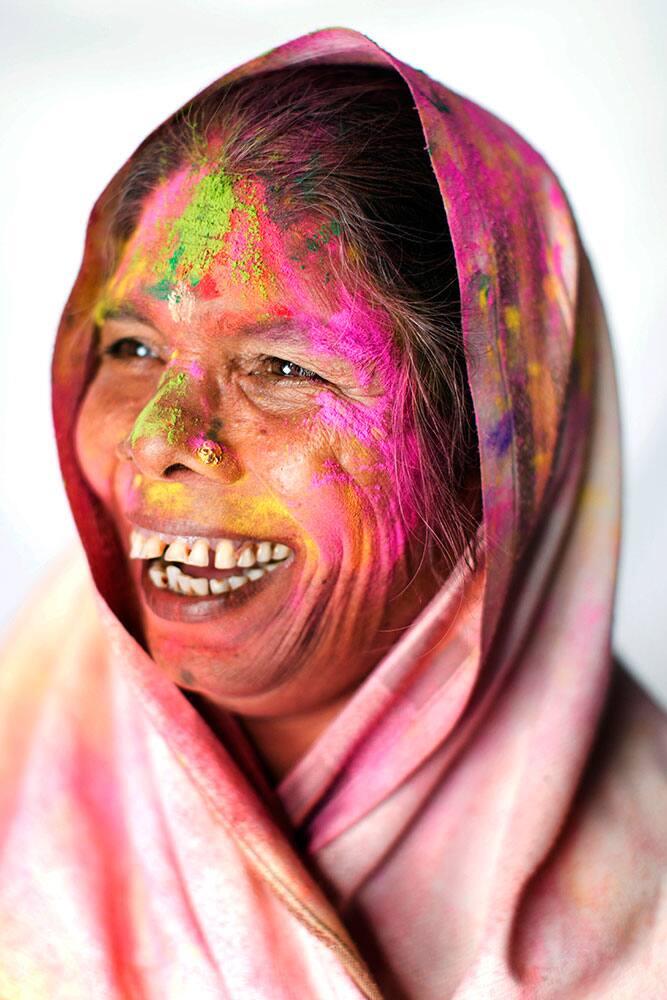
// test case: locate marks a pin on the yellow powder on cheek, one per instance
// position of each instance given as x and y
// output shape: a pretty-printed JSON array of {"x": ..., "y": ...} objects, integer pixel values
[
  {"x": 259, "y": 515},
  {"x": 170, "y": 497}
]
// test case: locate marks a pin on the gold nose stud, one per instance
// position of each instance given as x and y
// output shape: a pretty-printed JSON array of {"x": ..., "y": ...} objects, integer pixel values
[{"x": 209, "y": 452}]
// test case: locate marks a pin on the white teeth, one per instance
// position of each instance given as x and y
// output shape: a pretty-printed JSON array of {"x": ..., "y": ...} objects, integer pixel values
[
  {"x": 172, "y": 577},
  {"x": 224, "y": 555},
  {"x": 177, "y": 551},
  {"x": 253, "y": 559},
  {"x": 263, "y": 552},
  {"x": 198, "y": 553},
  {"x": 158, "y": 576},
  {"x": 153, "y": 547},
  {"x": 136, "y": 544},
  {"x": 247, "y": 557}
]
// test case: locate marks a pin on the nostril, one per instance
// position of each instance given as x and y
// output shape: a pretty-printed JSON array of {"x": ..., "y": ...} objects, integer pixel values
[{"x": 174, "y": 469}]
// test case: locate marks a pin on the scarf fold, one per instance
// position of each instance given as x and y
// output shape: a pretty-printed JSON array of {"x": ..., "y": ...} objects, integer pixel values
[{"x": 449, "y": 830}]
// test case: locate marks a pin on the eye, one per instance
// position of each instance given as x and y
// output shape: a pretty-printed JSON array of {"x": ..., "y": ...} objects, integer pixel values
[
  {"x": 282, "y": 368},
  {"x": 129, "y": 347}
]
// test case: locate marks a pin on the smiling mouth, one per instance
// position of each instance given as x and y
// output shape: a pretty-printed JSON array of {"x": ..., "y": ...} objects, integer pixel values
[{"x": 200, "y": 567}]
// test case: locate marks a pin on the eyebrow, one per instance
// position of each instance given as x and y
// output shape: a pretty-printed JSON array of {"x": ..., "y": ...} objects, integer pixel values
[
  {"x": 289, "y": 331},
  {"x": 124, "y": 310}
]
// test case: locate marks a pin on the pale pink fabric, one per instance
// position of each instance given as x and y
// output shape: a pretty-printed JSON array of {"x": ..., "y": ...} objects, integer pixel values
[{"x": 487, "y": 817}]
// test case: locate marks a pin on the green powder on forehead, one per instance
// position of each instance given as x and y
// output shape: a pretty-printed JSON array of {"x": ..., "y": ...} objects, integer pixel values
[
  {"x": 248, "y": 264},
  {"x": 193, "y": 240},
  {"x": 161, "y": 290},
  {"x": 196, "y": 236},
  {"x": 162, "y": 416}
]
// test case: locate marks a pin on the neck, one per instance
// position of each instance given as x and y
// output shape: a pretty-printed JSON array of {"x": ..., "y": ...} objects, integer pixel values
[
  {"x": 278, "y": 742},
  {"x": 282, "y": 742}
]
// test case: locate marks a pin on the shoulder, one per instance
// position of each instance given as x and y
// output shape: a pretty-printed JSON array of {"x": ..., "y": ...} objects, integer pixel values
[
  {"x": 63, "y": 578},
  {"x": 57, "y": 615},
  {"x": 599, "y": 897},
  {"x": 629, "y": 762}
]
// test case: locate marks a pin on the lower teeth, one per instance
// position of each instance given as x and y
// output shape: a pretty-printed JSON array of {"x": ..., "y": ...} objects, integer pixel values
[{"x": 174, "y": 579}]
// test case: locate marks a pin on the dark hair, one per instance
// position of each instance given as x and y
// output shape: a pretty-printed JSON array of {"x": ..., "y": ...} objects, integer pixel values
[{"x": 346, "y": 142}]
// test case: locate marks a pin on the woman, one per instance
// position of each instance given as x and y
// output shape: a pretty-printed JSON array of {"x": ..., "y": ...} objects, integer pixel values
[{"x": 337, "y": 419}]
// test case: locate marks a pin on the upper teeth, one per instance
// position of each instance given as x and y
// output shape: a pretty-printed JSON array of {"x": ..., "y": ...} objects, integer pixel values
[{"x": 196, "y": 551}]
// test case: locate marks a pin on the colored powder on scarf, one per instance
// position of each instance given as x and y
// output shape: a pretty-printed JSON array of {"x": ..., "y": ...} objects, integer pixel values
[
  {"x": 501, "y": 435},
  {"x": 512, "y": 318},
  {"x": 484, "y": 282}
]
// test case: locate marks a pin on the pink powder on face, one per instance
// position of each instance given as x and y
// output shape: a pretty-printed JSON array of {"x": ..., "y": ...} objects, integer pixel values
[
  {"x": 356, "y": 419},
  {"x": 363, "y": 336},
  {"x": 389, "y": 469},
  {"x": 334, "y": 474},
  {"x": 195, "y": 441},
  {"x": 169, "y": 199}
]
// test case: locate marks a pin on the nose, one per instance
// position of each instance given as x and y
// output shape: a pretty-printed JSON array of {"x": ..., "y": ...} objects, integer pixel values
[{"x": 172, "y": 437}]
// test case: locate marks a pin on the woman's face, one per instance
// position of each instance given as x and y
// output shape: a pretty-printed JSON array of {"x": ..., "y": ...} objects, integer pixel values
[{"x": 242, "y": 402}]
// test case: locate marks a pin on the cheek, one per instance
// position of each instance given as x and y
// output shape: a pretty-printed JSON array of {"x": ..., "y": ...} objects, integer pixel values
[
  {"x": 362, "y": 452},
  {"x": 284, "y": 454},
  {"x": 339, "y": 487},
  {"x": 104, "y": 421},
  {"x": 370, "y": 483}
]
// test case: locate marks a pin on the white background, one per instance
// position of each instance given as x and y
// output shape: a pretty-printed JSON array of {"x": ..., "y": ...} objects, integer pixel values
[{"x": 584, "y": 81}]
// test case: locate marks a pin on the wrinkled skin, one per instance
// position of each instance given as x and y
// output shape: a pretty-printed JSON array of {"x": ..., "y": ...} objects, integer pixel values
[{"x": 307, "y": 460}]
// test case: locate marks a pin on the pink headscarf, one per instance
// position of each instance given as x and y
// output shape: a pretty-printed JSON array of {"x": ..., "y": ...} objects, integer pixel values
[{"x": 478, "y": 821}]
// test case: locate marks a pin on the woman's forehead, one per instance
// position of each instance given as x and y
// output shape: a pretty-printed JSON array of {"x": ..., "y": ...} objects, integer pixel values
[
  {"x": 213, "y": 231},
  {"x": 207, "y": 240}
]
